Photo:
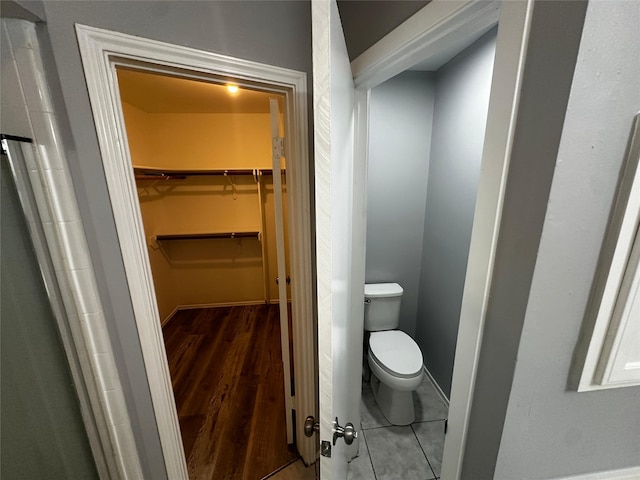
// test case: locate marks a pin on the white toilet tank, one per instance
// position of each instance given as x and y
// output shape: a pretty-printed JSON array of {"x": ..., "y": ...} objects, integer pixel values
[{"x": 382, "y": 306}]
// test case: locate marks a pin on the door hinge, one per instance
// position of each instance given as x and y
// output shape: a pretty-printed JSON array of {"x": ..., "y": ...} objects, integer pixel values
[
  {"x": 291, "y": 402},
  {"x": 278, "y": 147}
]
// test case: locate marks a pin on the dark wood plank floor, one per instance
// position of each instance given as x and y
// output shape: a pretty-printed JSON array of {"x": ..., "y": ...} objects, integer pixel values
[{"x": 226, "y": 369}]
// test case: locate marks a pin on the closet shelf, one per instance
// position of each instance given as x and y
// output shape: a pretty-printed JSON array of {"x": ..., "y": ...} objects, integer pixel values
[
  {"x": 149, "y": 173},
  {"x": 198, "y": 236}
]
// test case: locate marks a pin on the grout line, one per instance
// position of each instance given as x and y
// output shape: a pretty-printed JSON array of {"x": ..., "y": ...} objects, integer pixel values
[
  {"x": 377, "y": 427},
  {"x": 369, "y": 455},
  {"x": 423, "y": 452}
]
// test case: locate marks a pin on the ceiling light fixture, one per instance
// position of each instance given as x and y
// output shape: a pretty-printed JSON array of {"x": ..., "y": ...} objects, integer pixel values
[{"x": 232, "y": 88}]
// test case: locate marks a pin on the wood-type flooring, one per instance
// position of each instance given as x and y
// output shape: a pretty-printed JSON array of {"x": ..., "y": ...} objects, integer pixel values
[{"x": 226, "y": 370}]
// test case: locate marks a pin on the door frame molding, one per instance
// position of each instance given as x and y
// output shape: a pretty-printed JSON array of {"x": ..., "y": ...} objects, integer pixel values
[
  {"x": 422, "y": 36},
  {"x": 101, "y": 50}
]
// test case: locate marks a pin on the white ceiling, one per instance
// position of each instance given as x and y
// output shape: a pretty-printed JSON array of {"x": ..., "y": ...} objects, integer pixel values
[{"x": 157, "y": 93}]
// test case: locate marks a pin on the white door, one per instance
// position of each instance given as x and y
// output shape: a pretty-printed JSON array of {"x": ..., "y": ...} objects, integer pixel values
[
  {"x": 339, "y": 330},
  {"x": 277, "y": 156}
]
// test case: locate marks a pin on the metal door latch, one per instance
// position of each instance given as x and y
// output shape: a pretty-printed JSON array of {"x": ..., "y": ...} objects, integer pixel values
[
  {"x": 325, "y": 448},
  {"x": 348, "y": 432},
  {"x": 310, "y": 427}
]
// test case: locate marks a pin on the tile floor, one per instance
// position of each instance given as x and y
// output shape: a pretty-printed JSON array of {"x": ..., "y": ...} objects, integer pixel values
[{"x": 390, "y": 452}]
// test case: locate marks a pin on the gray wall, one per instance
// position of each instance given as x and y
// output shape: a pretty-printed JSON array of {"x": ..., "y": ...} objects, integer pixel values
[
  {"x": 577, "y": 432},
  {"x": 42, "y": 432},
  {"x": 364, "y": 22},
  {"x": 240, "y": 29},
  {"x": 461, "y": 104},
  {"x": 400, "y": 140},
  {"x": 14, "y": 116},
  {"x": 23, "y": 9}
]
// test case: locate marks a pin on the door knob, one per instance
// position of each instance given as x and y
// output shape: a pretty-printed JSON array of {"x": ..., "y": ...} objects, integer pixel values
[
  {"x": 311, "y": 426},
  {"x": 348, "y": 432}
]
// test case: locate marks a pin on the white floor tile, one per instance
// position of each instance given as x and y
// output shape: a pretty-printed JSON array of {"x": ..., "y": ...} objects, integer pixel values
[
  {"x": 360, "y": 468},
  {"x": 428, "y": 403},
  {"x": 396, "y": 454},
  {"x": 431, "y": 438},
  {"x": 370, "y": 414}
]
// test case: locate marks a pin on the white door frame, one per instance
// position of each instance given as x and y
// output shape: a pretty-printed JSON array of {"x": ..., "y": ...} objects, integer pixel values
[
  {"x": 340, "y": 327},
  {"x": 434, "y": 28},
  {"x": 100, "y": 51},
  {"x": 277, "y": 154}
]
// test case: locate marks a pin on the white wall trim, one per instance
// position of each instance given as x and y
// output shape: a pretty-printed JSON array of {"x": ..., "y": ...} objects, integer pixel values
[
  {"x": 511, "y": 45},
  {"x": 321, "y": 48},
  {"x": 431, "y": 29},
  {"x": 632, "y": 473},
  {"x": 194, "y": 306},
  {"x": 99, "y": 49},
  {"x": 608, "y": 318},
  {"x": 170, "y": 316},
  {"x": 444, "y": 398},
  {"x": 85, "y": 335},
  {"x": 416, "y": 40}
]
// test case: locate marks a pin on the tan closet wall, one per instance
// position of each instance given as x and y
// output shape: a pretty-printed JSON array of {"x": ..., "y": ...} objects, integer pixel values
[
  {"x": 200, "y": 140},
  {"x": 206, "y": 271}
]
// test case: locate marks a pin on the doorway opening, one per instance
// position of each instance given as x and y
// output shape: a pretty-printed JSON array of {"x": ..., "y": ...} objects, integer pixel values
[
  {"x": 213, "y": 218},
  {"x": 436, "y": 28},
  {"x": 443, "y": 26},
  {"x": 103, "y": 53},
  {"x": 423, "y": 170}
]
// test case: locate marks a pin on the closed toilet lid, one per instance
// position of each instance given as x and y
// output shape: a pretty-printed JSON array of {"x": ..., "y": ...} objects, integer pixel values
[{"x": 396, "y": 352}]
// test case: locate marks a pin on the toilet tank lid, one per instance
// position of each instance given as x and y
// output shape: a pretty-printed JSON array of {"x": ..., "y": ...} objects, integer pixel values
[{"x": 372, "y": 290}]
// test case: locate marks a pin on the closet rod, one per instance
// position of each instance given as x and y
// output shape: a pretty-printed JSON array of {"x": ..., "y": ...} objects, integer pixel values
[
  {"x": 153, "y": 173},
  {"x": 197, "y": 236}
]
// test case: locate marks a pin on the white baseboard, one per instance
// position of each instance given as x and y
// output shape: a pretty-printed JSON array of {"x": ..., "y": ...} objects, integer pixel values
[
  {"x": 274, "y": 301},
  {"x": 168, "y": 317},
  {"x": 209, "y": 305},
  {"x": 445, "y": 399},
  {"x": 632, "y": 473}
]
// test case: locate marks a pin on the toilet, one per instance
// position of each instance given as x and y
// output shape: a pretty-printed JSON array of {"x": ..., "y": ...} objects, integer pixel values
[{"x": 393, "y": 356}]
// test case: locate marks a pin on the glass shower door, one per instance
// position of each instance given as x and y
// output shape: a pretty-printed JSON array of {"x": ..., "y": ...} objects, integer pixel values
[{"x": 42, "y": 434}]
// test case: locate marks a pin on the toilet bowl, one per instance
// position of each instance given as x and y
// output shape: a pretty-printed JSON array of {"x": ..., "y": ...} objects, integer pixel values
[{"x": 394, "y": 357}]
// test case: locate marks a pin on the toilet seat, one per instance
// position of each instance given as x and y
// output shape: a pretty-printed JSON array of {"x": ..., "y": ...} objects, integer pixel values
[{"x": 396, "y": 353}]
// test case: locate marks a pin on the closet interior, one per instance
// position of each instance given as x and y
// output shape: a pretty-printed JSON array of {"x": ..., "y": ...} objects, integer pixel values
[
  {"x": 201, "y": 155},
  {"x": 202, "y": 162}
]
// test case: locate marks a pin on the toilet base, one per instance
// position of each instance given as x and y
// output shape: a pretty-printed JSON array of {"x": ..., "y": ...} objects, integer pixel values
[{"x": 396, "y": 405}]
